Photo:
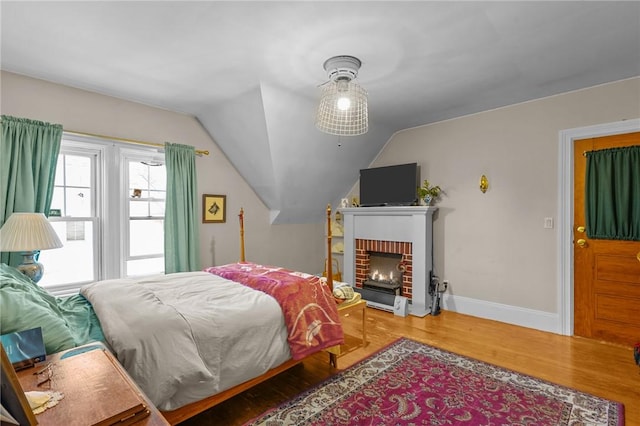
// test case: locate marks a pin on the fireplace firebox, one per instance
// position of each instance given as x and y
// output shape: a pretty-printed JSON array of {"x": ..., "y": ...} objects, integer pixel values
[{"x": 385, "y": 273}]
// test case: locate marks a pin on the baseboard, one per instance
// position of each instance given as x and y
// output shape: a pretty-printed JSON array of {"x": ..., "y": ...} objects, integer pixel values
[{"x": 530, "y": 318}]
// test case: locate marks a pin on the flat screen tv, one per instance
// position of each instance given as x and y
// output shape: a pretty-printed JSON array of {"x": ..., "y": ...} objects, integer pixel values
[{"x": 389, "y": 186}]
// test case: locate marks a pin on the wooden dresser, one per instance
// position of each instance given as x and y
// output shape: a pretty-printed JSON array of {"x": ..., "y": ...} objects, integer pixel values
[{"x": 96, "y": 388}]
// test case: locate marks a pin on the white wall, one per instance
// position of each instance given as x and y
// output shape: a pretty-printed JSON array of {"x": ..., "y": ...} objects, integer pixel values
[
  {"x": 500, "y": 260},
  {"x": 298, "y": 247}
]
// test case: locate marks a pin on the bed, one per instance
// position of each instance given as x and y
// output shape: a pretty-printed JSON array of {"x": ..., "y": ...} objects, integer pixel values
[{"x": 166, "y": 324}]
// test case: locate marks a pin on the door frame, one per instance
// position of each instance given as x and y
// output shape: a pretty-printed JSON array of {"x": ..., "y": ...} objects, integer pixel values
[{"x": 565, "y": 210}]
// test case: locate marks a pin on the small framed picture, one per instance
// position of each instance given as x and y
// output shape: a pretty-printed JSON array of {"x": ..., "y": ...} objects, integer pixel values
[{"x": 214, "y": 208}]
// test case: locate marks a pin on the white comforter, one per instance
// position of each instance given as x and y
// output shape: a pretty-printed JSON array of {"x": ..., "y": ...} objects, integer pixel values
[{"x": 185, "y": 336}]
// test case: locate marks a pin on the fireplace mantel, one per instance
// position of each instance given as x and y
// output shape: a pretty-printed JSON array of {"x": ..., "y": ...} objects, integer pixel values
[{"x": 394, "y": 223}]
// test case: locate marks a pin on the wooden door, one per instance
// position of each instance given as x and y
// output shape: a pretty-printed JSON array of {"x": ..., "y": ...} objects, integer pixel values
[{"x": 606, "y": 272}]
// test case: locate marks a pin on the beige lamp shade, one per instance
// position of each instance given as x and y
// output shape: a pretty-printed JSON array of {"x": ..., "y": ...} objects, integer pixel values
[{"x": 28, "y": 232}]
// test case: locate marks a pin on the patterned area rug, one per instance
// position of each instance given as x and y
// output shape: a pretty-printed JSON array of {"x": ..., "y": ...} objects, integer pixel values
[{"x": 410, "y": 383}]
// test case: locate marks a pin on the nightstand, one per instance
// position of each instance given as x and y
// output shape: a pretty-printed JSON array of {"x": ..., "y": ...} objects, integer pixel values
[{"x": 96, "y": 388}]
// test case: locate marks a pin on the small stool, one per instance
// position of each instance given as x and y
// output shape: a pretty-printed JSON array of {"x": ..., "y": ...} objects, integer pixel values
[{"x": 360, "y": 305}]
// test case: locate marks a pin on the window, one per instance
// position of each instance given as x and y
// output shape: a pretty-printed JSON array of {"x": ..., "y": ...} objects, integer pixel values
[
  {"x": 108, "y": 210},
  {"x": 145, "y": 216},
  {"x": 74, "y": 198}
]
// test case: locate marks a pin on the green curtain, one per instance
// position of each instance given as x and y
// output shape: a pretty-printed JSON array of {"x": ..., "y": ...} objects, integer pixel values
[
  {"x": 28, "y": 158},
  {"x": 612, "y": 194},
  {"x": 181, "y": 234}
]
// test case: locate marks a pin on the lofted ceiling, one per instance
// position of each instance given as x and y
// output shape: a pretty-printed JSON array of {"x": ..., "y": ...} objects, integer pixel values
[{"x": 250, "y": 71}]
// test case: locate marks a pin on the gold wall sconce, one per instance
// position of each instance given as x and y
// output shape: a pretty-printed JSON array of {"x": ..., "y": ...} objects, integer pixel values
[{"x": 484, "y": 184}]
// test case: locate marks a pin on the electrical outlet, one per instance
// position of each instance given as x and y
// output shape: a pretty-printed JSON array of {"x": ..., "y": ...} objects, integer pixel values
[{"x": 445, "y": 285}]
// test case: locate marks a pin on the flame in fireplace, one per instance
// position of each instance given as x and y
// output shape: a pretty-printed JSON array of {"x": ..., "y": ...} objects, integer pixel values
[{"x": 378, "y": 276}]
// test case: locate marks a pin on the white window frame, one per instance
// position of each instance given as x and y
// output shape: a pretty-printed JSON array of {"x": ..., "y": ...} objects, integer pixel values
[
  {"x": 127, "y": 155},
  {"x": 109, "y": 207}
]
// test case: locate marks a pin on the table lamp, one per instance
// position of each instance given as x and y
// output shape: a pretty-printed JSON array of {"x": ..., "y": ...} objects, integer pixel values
[{"x": 28, "y": 233}]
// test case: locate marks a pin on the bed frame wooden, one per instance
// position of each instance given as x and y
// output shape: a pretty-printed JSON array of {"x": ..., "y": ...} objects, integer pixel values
[{"x": 183, "y": 413}]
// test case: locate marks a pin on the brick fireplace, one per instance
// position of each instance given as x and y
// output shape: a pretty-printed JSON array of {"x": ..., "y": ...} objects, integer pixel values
[
  {"x": 362, "y": 264},
  {"x": 405, "y": 230}
]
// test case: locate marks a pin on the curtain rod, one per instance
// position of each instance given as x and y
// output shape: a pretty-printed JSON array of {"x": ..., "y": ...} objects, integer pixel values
[{"x": 159, "y": 145}]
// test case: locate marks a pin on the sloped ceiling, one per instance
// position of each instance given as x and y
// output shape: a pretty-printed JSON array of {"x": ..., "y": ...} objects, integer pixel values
[{"x": 250, "y": 71}]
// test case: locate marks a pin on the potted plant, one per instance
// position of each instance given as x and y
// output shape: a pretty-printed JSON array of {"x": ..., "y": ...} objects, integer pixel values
[{"x": 428, "y": 192}]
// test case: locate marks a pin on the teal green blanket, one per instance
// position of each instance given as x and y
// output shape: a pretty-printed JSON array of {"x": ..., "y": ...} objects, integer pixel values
[{"x": 66, "y": 322}]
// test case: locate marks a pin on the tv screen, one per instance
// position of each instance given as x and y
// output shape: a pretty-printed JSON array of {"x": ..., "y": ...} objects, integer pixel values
[{"x": 389, "y": 186}]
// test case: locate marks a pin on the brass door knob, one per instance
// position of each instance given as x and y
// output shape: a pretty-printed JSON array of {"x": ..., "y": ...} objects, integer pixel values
[
  {"x": 580, "y": 229},
  {"x": 582, "y": 242}
]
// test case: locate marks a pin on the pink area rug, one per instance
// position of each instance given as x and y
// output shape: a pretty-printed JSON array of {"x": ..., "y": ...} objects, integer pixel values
[{"x": 410, "y": 383}]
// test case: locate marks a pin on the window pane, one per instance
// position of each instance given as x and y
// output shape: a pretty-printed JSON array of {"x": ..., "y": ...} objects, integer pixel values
[
  {"x": 78, "y": 202},
  {"x": 158, "y": 195},
  {"x": 145, "y": 266},
  {"x": 73, "y": 262},
  {"x": 57, "y": 202},
  {"x": 146, "y": 208},
  {"x": 138, "y": 176},
  {"x": 138, "y": 208},
  {"x": 78, "y": 171},
  {"x": 158, "y": 178},
  {"x": 146, "y": 237},
  {"x": 60, "y": 170},
  {"x": 157, "y": 208}
]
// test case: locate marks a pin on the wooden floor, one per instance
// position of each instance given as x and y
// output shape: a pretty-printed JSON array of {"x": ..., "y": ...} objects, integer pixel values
[{"x": 601, "y": 369}]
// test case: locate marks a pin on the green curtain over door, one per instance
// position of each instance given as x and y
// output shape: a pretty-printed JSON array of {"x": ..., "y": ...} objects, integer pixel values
[
  {"x": 612, "y": 193},
  {"x": 28, "y": 157},
  {"x": 181, "y": 236}
]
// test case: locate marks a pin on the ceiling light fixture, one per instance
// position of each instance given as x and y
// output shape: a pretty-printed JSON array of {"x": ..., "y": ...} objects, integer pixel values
[{"x": 343, "y": 104}]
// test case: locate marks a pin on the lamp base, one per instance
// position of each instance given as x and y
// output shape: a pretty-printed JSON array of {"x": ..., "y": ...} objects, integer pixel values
[{"x": 30, "y": 267}]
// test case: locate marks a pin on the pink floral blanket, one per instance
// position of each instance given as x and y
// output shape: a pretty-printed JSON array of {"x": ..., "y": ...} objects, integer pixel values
[{"x": 308, "y": 306}]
